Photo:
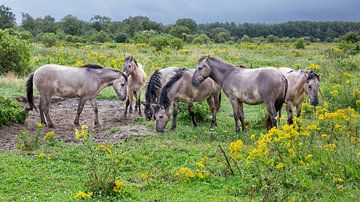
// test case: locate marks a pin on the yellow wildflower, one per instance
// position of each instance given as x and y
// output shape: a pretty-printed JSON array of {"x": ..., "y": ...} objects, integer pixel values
[
  {"x": 280, "y": 166},
  {"x": 39, "y": 125},
  {"x": 252, "y": 136},
  {"x": 346, "y": 74},
  {"x": 185, "y": 173},
  {"x": 309, "y": 157},
  {"x": 357, "y": 102},
  {"x": 358, "y": 154},
  {"x": 104, "y": 148},
  {"x": 83, "y": 195},
  {"x": 41, "y": 155},
  {"x": 329, "y": 147},
  {"x": 200, "y": 164},
  {"x": 49, "y": 136},
  {"x": 235, "y": 147},
  {"x": 83, "y": 133},
  {"x": 338, "y": 180},
  {"x": 291, "y": 152}
]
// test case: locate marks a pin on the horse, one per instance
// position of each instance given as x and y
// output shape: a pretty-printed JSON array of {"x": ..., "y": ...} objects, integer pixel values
[
  {"x": 242, "y": 85},
  {"x": 301, "y": 83},
  {"x": 136, "y": 77},
  {"x": 179, "y": 88},
  {"x": 70, "y": 82},
  {"x": 156, "y": 82}
]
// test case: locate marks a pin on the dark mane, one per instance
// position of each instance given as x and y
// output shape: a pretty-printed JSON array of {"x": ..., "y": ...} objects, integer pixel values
[
  {"x": 153, "y": 87},
  {"x": 92, "y": 66},
  {"x": 130, "y": 58},
  {"x": 313, "y": 75},
  {"x": 215, "y": 59},
  {"x": 164, "y": 99}
]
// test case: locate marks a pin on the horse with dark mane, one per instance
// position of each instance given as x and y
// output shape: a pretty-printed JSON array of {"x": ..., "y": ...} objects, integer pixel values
[
  {"x": 178, "y": 89},
  {"x": 156, "y": 82},
  {"x": 242, "y": 85},
  {"x": 70, "y": 82}
]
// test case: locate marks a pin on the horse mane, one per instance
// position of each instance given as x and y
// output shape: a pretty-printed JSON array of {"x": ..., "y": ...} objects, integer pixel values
[
  {"x": 92, "y": 66},
  {"x": 164, "y": 98},
  {"x": 131, "y": 58},
  {"x": 218, "y": 60},
  {"x": 153, "y": 86}
]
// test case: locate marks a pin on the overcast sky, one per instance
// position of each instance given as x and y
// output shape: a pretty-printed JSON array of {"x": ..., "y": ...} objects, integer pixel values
[{"x": 203, "y": 11}]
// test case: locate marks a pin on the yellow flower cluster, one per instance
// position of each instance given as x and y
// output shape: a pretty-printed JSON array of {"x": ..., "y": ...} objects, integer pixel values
[
  {"x": 105, "y": 149},
  {"x": 314, "y": 67},
  {"x": 83, "y": 133},
  {"x": 49, "y": 136},
  {"x": 41, "y": 155},
  {"x": 235, "y": 148},
  {"x": 40, "y": 125},
  {"x": 338, "y": 180},
  {"x": 83, "y": 195},
  {"x": 117, "y": 186},
  {"x": 185, "y": 173},
  {"x": 329, "y": 147}
]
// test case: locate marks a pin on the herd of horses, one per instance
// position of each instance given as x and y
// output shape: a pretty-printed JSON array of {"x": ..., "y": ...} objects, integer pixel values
[{"x": 167, "y": 87}]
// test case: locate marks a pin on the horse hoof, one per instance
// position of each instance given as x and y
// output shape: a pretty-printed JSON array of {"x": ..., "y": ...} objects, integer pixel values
[
  {"x": 97, "y": 125},
  {"x": 51, "y": 126}
]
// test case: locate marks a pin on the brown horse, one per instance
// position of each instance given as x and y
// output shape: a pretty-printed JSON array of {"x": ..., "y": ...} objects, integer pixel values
[
  {"x": 179, "y": 88},
  {"x": 241, "y": 85},
  {"x": 301, "y": 83},
  {"x": 71, "y": 82},
  {"x": 156, "y": 82},
  {"x": 137, "y": 77}
]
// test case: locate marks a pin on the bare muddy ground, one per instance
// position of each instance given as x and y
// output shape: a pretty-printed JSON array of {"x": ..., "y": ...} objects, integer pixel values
[{"x": 114, "y": 126}]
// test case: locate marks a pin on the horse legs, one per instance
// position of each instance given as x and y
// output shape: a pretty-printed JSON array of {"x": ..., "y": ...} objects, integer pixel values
[
  {"x": 298, "y": 110},
  {"x": 271, "y": 121},
  {"x": 138, "y": 104},
  {"x": 79, "y": 110},
  {"x": 131, "y": 101},
  {"x": 212, "y": 107},
  {"x": 289, "y": 111},
  {"x": 241, "y": 116},
  {"x": 46, "y": 107},
  {"x": 192, "y": 113},
  {"x": 95, "y": 107},
  {"x": 175, "y": 109},
  {"x": 41, "y": 110},
  {"x": 235, "y": 106}
]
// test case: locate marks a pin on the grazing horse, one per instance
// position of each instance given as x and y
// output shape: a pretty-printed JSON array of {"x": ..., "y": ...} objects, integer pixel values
[
  {"x": 179, "y": 88},
  {"x": 241, "y": 85},
  {"x": 137, "y": 77},
  {"x": 156, "y": 82},
  {"x": 70, "y": 82},
  {"x": 301, "y": 83}
]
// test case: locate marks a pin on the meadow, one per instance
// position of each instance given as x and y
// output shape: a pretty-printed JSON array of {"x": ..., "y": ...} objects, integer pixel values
[{"x": 316, "y": 159}]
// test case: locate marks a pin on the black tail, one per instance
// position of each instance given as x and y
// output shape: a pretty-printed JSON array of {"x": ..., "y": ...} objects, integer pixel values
[
  {"x": 281, "y": 99},
  {"x": 218, "y": 107},
  {"x": 278, "y": 103},
  {"x": 30, "y": 92}
]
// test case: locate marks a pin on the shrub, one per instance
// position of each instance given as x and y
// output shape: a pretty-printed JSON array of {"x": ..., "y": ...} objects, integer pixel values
[
  {"x": 299, "y": 44},
  {"x": 201, "y": 39},
  {"x": 165, "y": 40},
  {"x": 48, "y": 39},
  {"x": 201, "y": 112},
  {"x": 28, "y": 142},
  {"x": 14, "y": 54},
  {"x": 11, "y": 111},
  {"x": 100, "y": 37},
  {"x": 120, "y": 37}
]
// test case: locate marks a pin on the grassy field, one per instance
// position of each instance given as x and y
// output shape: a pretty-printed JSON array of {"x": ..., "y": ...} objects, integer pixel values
[{"x": 187, "y": 164}]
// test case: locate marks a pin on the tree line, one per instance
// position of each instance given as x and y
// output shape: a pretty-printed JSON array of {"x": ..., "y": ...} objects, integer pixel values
[{"x": 140, "y": 29}]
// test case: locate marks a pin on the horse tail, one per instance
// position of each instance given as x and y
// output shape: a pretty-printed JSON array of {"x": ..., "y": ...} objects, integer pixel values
[
  {"x": 30, "y": 92},
  {"x": 281, "y": 99},
  {"x": 278, "y": 102},
  {"x": 218, "y": 107}
]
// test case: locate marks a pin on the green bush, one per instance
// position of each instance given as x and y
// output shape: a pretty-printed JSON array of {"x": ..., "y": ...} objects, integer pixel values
[
  {"x": 201, "y": 39},
  {"x": 48, "y": 39},
  {"x": 14, "y": 54},
  {"x": 11, "y": 111},
  {"x": 100, "y": 37},
  {"x": 201, "y": 110},
  {"x": 299, "y": 44},
  {"x": 165, "y": 40}
]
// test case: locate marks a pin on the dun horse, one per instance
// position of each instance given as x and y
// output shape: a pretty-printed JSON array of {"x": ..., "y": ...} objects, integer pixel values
[
  {"x": 241, "y": 85},
  {"x": 137, "y": 77},
  {"x": 179, "y": 88},
  {"x": 156, "y": 82},
  {"x": 301, "y": 82},
  {"x": 71, "y": 82}
]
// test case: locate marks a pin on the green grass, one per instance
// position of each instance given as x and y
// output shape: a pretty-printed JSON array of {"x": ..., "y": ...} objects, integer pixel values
[{"x": 159, "y": 156}]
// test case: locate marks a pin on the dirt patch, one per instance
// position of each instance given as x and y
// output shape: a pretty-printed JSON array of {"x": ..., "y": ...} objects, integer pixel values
[{"x": 114, "y": 127}]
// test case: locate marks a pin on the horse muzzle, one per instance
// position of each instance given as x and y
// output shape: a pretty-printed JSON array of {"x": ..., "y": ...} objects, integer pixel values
[
  {"x": 195, "y": 83},
  {"x": 314, "y": 103}
]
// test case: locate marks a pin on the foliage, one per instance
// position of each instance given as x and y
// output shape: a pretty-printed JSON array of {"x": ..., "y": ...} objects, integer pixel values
[
  {"x": 11, "y": 111},
  {"x": 350, "y": 43},
  {"x": 14, "y": 54},
  {"x": 159, "y": 42},
  {"x": 201, "y": 110},
  {"x": 28, "y": 142},
  {"x": 48, "y": 39},
  {"x": 299, "y": 44},
  {"x": 100, "y": 37},
  {"x": 7, "y": 18}
]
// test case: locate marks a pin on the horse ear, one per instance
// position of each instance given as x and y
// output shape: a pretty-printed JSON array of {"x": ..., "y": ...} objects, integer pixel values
[{"x": 207, "y": 57}]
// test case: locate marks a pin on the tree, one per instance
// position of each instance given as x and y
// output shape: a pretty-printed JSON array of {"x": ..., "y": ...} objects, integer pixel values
[
  {"x": 201, "y": 39},
  {"x": 220, "y": 35},
  {"x": 189, "y": 23},
  {"x": 99, "y": 23},
  {"x": 132, "y": 25},
  {"x": 7, "y": 18},
  {"x": 72, "y": 25},
  {"x": 179, "y": 31}
]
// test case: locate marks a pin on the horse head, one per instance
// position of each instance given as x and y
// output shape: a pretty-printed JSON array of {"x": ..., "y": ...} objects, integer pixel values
[
  {"x": 202, "y": 71},
  {"x": 129, "y": 65}
]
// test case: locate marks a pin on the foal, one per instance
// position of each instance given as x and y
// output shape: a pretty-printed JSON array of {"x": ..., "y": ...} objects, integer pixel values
[
  {"x": 301, "y": 83},
  {"x": 137, "y": 77}
]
